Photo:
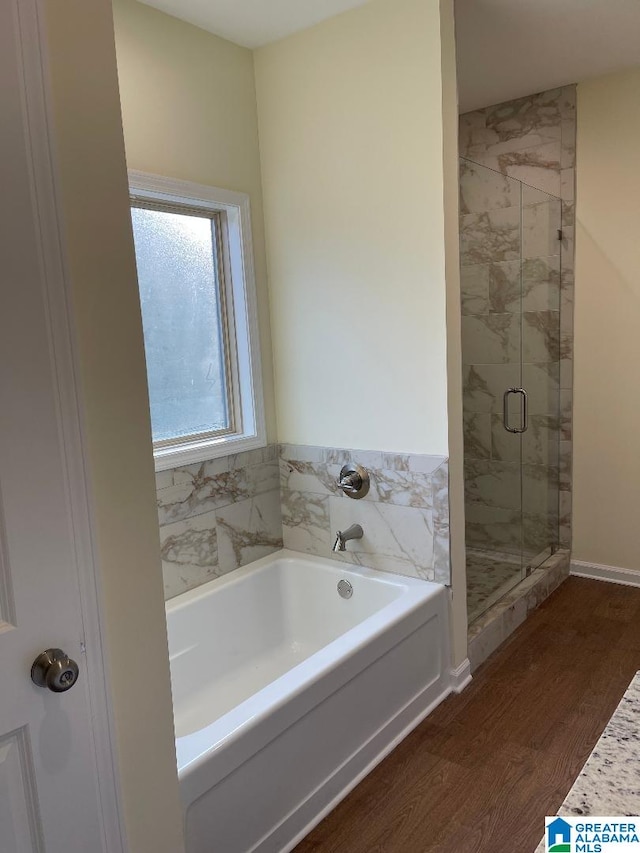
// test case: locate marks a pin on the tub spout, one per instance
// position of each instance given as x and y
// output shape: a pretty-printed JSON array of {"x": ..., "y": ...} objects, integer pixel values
[{"x": 342, "y": 537}]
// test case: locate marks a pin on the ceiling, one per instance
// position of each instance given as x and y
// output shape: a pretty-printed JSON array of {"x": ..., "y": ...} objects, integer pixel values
[
  {"x": 506, "y": 48},
  {"x": 511, "y": 48},
  {"x": 253, "y": 23}
]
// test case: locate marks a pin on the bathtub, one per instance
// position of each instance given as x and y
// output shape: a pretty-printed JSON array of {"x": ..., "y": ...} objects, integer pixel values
[{"x": 286, "y": 694}]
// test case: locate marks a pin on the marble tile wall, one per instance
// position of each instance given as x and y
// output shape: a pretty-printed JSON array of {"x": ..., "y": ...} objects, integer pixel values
[
  {"x": 220, "y": 515},
  {"x": 405, "y": 516},
  {"x": 217, "y": 516},
  {"x": 531, "y": 140}
]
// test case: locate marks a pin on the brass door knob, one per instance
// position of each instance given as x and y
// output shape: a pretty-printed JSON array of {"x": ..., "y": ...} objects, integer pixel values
[{"x": 55, "y": 671}]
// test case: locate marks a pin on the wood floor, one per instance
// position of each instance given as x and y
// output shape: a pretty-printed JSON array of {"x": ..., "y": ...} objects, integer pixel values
[{"x": 483, "y": 770}]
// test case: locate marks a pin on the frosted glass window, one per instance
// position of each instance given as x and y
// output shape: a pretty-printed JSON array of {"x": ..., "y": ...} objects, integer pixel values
[{"x": 183, "y": 320}]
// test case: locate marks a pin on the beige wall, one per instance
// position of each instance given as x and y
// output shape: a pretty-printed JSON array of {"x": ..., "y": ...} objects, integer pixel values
[
  {"x": 108, "y": 329},
  {"x": 607, "y": 323},
  {"x": 189, "y": 112},
  {"x": 350, "y": 117}
]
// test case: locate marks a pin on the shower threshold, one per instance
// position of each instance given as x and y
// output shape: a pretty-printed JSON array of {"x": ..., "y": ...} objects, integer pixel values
[{"x": 497, "y": 622}]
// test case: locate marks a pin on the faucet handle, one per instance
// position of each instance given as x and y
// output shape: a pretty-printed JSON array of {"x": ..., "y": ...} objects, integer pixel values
[
  {"x": 350, "y": 482},
  {"x": 354, "y": 481}
]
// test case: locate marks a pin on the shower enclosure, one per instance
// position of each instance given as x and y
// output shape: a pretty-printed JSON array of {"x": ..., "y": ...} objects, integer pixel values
[{"x": 510, "y": 239}]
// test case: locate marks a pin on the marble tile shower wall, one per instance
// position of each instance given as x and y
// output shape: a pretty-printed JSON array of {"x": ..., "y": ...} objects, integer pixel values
[
  {"x": 531, "y": 139},
  {"x": 405, "y": 516},
  {"x": 217, "y": 516}
]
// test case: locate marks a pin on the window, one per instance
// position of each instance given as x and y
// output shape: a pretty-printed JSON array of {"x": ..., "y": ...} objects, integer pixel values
[{"x": 198, "y": 301}]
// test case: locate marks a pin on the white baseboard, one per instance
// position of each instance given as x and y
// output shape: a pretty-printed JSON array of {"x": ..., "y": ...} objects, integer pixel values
[
  {"x": 611, "y": 574},
  {"x": 461, "y": 676}
]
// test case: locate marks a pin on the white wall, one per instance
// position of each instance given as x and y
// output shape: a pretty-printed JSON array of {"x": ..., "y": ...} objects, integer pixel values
[
  {"x": 607, "y": 323},
  {"x": 189, "y": 112},
  {"x": 108, "y": 331},
  {"x": 351, "y": 138}
]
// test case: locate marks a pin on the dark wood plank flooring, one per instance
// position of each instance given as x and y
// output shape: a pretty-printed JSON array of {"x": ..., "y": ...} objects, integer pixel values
[{"x": 482, "y": 771}]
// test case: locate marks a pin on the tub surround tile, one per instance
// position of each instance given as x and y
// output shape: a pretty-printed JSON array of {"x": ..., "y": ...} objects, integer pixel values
[
  {"x": 398, "y": 539},
  {"x": 220, "y": 515},
  {"x": 395, "y": 486},
  {"x": 367, "y": 458},
  {"x": 405, "y": 516},
  {"x": 204, "y": 488},
  {"x": 248, "y": 530},
  {"x": 297, "y": 475},
  {"x": 441, "y": 550},
  {"x": 305, "y": 521},
  {"x": 189, "y": 553},
  {"x": 402, "y": 488},
  {"x": 412, "y": 462},
  {"x": 164, "y": 479},
  {"x": 217, "y": 516}
]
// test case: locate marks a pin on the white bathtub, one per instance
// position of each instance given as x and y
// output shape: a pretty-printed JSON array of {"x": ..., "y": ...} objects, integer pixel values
[{"x": 286, "y": 694}]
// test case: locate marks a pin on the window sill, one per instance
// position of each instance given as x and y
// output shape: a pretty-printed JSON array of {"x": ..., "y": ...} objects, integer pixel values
[{"x": 203, "y": 451}]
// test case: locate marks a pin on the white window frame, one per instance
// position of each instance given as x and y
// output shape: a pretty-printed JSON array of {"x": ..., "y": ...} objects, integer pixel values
[{"x": 245, "y": 368}]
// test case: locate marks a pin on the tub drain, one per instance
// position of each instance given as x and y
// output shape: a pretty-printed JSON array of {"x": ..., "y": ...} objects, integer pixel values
[{"x": 345, "y": 590}]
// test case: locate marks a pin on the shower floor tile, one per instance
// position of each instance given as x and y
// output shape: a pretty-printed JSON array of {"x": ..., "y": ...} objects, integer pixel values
[{"x": 490, "y": 575}]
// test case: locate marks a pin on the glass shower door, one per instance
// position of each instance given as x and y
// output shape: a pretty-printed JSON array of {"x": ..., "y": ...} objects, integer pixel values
[
  {"x": 541, "y": 277},
  {"x": 510, "y": 282},
  {"x": 492, "y": 347}
]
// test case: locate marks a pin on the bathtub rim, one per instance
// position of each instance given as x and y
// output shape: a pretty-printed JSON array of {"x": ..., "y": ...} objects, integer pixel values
[
  {"x": 401, "y": 616},
  {"x": 183, "y": 599}
]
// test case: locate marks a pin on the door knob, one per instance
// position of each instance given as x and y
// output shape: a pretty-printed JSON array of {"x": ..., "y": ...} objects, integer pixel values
[{"x": 54, "y": 670}]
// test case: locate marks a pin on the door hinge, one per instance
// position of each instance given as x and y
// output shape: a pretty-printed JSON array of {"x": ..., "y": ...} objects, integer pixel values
[{"x": 559, "y": 233}]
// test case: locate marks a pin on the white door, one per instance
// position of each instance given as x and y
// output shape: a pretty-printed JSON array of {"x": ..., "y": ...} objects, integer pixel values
[{"x": 50, "y": 796}]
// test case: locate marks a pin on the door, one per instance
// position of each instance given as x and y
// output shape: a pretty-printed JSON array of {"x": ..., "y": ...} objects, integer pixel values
[
  {"x": 541, "y": 351},
  {"x": 492, "y": 344},
  {"x": 510, "y": 283},
  {"x": 50, "y": 797}
]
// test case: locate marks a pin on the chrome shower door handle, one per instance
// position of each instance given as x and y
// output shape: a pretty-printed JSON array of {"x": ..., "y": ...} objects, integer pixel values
[{"x": 525, "y": 410}]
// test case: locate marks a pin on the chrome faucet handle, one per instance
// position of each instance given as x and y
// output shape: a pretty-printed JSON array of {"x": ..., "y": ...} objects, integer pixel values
[
  {"x": 354, "y": 481},
  {"x": 350, "y": 482}
]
